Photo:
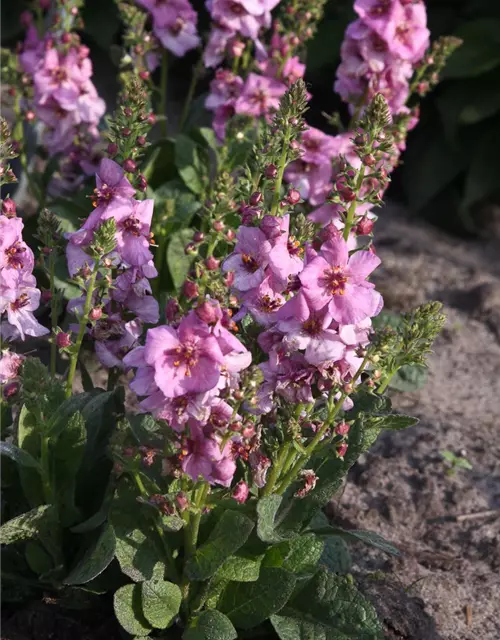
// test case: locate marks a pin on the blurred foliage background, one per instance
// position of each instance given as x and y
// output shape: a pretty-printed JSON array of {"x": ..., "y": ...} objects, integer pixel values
[{"x": 450, "y": 172}]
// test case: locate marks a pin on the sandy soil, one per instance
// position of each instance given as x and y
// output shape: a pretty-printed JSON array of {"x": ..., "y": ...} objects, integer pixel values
[{"x": 400, "y": 488}]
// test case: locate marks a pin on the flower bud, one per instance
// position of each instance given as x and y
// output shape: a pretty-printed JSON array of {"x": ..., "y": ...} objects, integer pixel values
[
  {"x": 95, "y": 314},
  {"x": 271, "y": 171},
  {"x": 236, "y": 48},
  {"x": 342, "y": 449},
  {"x": 10, "y": 389},
  {"x": 212, "y": 264},
  {"x": 141, "y": 140},
  {"x": 9, "y": 208},
  {"x": 128, "y": 112},
  {"x": 241, "y": 491},
  {"x": 46, "y": 296},
  {"x": 142, "y": 183},
  {"x": 126, "y": 132},
  {"x": 255, "y": 198},
  {"x": 369, "y": 160},
  {"x": 230, "y": 235},
  {"x": 66, "y": 38},
  {"x": 198, "y": 236},
  {"x": 293, "y": 196},
  {"x": 144, "y": 75},
  {"x": 63, "y": 340},
  {"x": 181, "y": 501},
  {"x": 229, "y": 279},
  {"x": 342, "y": 428},
  {"x": 151, "y": 118},
  {"x": 207, "y": 312},
  {"x": 190, "y": 249},
  {"x": 364, "y": 226},
  {"x": 29, "y": 116},
  {"x": 129, "y": 166},
  {"x": 218, "y": 226},
  {"x": 112, "y": 149},
  {"x": 190, "y": 289},
  {"x": 171, "y": 309},
  {"x": 26, "y": 19}
]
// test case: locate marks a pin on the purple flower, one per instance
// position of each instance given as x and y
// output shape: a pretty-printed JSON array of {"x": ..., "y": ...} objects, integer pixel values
[
  {"x": 339, "y": 281},
  {"x": 249, "y": 259},
  {"x": 263, "y": 303},
  {"x": 260, "y": 95},
  {"x": 60, "y": 77},
  {"x": 285, "y": 256},
  {"x": 186, "y": 359},
  {"x": 15, "y": 255},
  {"x": 310, "y": 330},
  {"x": 19, "y": 298},
  {"x": 133, "y": 232},
  {"x": 10, "y": 363},
  {"x": 112, "y": 351},
  {"x": 202, "y": 456},
  {"x": 174, "y": 24}
]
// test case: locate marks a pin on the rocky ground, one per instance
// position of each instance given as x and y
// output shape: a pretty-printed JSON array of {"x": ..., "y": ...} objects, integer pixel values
[{"x": 447, "y": 527}]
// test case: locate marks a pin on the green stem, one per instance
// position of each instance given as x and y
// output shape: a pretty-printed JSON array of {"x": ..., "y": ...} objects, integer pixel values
[
  {"x": 163, "y": 92},
  {"x": 81, "y": 332},
  {"x": 113, "y": 376},
  {"x": 349, "y": 223},
  {"x": 309, "y": 450},
  {"x": 53, "y": 313},
  {"x": 276, "y": 469},
  {"x": 289, "y": 460},
  {"x": 194, "y": 524},
  {"x": 383, "y": 386},
  {"x": 161, "y": 534},
  {"x": 190, "y": 93},
  {"x": 281, "y": 171}
]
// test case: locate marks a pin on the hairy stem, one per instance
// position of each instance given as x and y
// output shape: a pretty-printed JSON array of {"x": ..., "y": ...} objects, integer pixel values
[
  {"x": 163, "y": 92},
  {"x": 349, "y": 223},
  {"x": 281, "y": 171},
  {"x": 81, "y": 332},
  {"x": 190, "y": 93}
]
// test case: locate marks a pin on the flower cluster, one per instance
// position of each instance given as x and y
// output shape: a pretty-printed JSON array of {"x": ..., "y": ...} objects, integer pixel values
[
  {"x": 380, "y": 52},
  {"x": 65, "y": 99},
  {"x": 19, "y": 294},
  {"x": 131, "y": 262},
  {"x": 183, "y": 370},
  {"x": 174, "y": 24}
]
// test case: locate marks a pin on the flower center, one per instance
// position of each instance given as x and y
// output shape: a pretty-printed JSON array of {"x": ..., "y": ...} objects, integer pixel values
[
  {"x": 102, "y": 195},
  {"x": 15, "y": 255},
  {"x": 312, "y": 326},
  {"x": 334, "y": 281},
  {"x": 236, "y": 8},
  {"x": 259, "y": 97},
  {"x": 249, "y": 262},
  {"x": 59, "y": 74},
  {"x": 380, "y": 8},
  {"x": 21, "y": 302},
  {"x": 187, "y": 355},
  {"x": 177, "y": 27},
  {"x": 311, "y": 144},
  {"x": 132, "y": 225},
  {"x": 268, "y": 304},
  {"x": 293, "y": 246}
]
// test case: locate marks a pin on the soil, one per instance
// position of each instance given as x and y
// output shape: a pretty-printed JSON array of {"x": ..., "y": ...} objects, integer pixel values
[{"x": 446, "y": 526}]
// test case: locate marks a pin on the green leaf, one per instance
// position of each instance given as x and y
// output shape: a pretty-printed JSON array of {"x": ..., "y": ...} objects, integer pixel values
[
  {"x": 70, "y": 213},
  {"x": 28, "y": 438},
  {"x": 360, "y": 535},
  {"x": 21, "y": 457},
  {"x": 161, "y": 602},
  {"x": 479, "y": 52},
  {"x": 57, "y": 422},
  {"x": 336, "y": 556},
  {"x": 267, "y": 509},
  {"x": 62, "y": 279},
  {"x": 159, "y": 163},
  {"x": 182, "y": 203},
  {"x": 135, "y": 550},
  {"x": 240, "y": 568},
  {"x": 247, "y": 604},
  {"x": 38, "y": 559},
  {"x": 409, "y": 378},
  {"x": 28, "y": 525},
  {"x": 303, "y": 553},
  {"x": 328, "y": 607},
  {"x": 178, "y": 262},
  {"x": 87, "y": 382},
  {"x": 67, "y": 455},
  {"x": 391, "y": 422},
  {"x": 229, "y": 534},
  {"x": 127, "y": 607},
  {"x": 95, "y": 560},
  {"x": 188, "y": 163},
  {"x": 210, "y": 625}
]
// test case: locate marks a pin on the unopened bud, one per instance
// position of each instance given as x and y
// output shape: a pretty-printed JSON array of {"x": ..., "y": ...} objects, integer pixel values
[
  {"x": 342, "y": 429},
  {"x": 29, "y": 116},
  {"x": 255, "y": 198},
  {"x": 190, "y": 289},
  {"x": 342, "y": 449},
  {"x": 271, "y": 171},
  {"x": 218, "y": 226},
  {"x": 241, "y": 491},
  {"x": 112, "y": 149},
  {"x": 9, "y": 208},
  {"x": 199, "y": 236},
  {"x": 129, "y": 166},
  {"x": 95, "y": 314},
  {"x": 207, "y": 312},
  {"x": 364, "y": 226},
  {"x": 63, "y": 340},
  {"x": 212, "y": 264}
]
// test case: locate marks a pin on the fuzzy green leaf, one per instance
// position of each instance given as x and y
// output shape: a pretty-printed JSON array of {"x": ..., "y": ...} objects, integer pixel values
[
  {"x": 247, "y": 604},
  {"x": 240, "y": 568},
  {"x": 127, "y": 607},
  {"x": 360, "y": 535},
  {"x": 177, "y": 260},
  {"x": 210, "y": 625},
  {"x": 267, "y": 509},
  {"x": 328, "y": 607},
  {"x": 28, "y": 525},
  {"x": 161, "y": 602},
  {"x": 336, "y": 556},
  {"x": 95, "y": 559},
  {"x": 229, "y": 534},
  {"x": 187, "y": 161}
]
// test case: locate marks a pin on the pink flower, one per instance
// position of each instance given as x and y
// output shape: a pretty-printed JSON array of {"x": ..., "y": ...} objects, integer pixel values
[
  {"x": 240, "y": 492},
  {"x": 133, "y": 232},
  {"x": 10, "y": 363},
  {"x": 186, "y": 359},
  {"x": 60, "y": 77},
  {"x": 260, "y": 96},
  {"x": 19, "y": 298},
  {"x": 285, "y": 256},
  {"x": 249, "y": 259},
  {"x": 339, "y": 281},
  {"x": 175, "y": 27},
  {"x": 202, "y": 456},
  {"x": 263, "y": 303},
  {"x": 15, "y": 255}
]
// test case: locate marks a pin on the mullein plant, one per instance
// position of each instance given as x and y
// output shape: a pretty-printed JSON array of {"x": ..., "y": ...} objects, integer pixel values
[{"x": 224, "y": 276}]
